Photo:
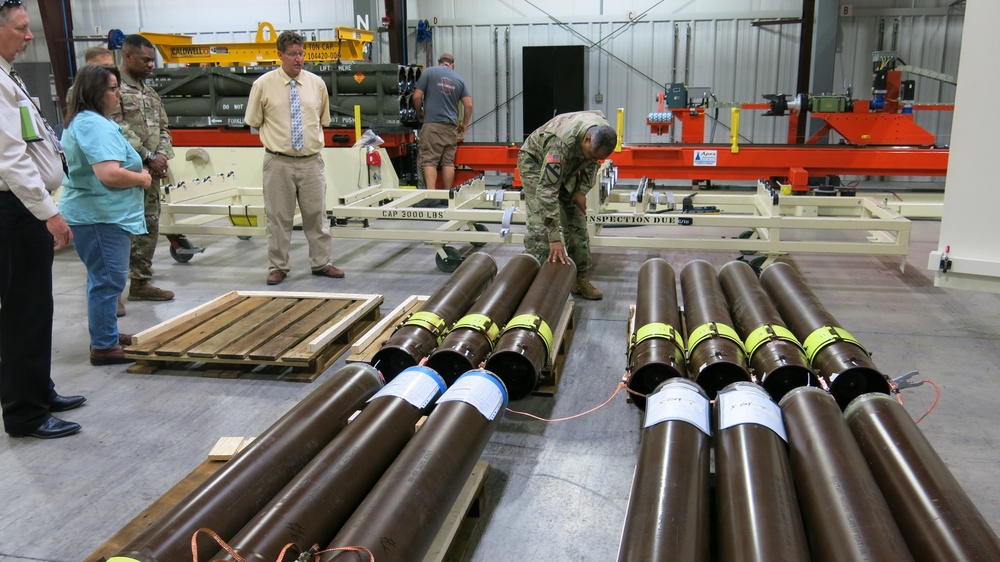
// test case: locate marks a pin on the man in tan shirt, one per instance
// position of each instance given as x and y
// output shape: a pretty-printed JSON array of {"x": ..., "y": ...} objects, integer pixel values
[{"x": 290, "y": 106}]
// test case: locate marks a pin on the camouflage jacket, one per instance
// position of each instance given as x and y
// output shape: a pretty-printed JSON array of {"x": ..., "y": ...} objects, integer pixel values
[
  {"x": 554, "y": 155},
  {"x": 143, "y": 119}
]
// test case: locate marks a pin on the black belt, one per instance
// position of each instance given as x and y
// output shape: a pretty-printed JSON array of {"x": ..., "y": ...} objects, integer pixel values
[{"x": 269, "y": 151}]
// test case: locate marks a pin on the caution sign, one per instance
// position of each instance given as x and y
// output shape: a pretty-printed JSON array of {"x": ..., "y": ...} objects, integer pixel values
[
  {"x": 359, "y": 77},
  {"x": 706, "y": 157}
]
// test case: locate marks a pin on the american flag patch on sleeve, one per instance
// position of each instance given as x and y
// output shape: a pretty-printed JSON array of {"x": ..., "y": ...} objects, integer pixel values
[{"x": 551, "y": 158}]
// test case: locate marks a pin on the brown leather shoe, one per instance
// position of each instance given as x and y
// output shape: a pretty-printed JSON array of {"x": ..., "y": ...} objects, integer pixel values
[
  {"x": 276, "y": 276},
  {"x": 111, "y": 356},
  {"x": 121, "y": 307},
  {"x": 329, "y": 271},
  {"x": 124, "y": 340}
]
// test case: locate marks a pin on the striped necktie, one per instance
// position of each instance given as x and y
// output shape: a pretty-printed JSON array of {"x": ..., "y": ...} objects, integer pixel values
[{"x": 296, "y": 105}]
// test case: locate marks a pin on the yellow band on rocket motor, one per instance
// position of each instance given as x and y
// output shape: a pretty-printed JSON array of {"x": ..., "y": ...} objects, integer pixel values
[
  {"x": 658, "y": 330},
  {"x": 766, "y": 333},
  {"x": 822, "y": 337},
  {"x": 480, "y": 323},
  {"x": 533, "y": 323},
  {"x": 428, "y": 320},
  {"x": 712, "y": 330}
]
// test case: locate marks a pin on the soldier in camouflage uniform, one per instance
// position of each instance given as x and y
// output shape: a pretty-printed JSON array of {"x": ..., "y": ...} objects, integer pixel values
[
  {"x": 558, "y": 164},
  {"x": 144, "y": 123}
]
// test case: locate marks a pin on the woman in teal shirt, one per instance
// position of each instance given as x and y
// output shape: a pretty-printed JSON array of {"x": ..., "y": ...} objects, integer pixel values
[{"x": 102, "y": 201}]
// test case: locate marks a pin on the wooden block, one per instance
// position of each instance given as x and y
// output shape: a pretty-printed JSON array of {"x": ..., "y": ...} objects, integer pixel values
[{"x": 225, "y": 448}]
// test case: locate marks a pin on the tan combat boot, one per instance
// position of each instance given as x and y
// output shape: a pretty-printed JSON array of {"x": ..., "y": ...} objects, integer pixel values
[
  {"x": 143, "y": 290},
  {"x": 583, "y": 288},
  {"x": 121, "y": 307}
]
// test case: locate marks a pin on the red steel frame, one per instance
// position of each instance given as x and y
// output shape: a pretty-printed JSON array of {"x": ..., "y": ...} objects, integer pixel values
[{"x": 792, "y": 162}]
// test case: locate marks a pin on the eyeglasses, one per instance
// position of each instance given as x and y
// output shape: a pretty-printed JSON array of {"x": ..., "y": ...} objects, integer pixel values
[
  {"x": 114, "y": 88},
  {"x": 9, "y": 3},
  {"x": 294, "y": 55},
  {"x": 449, "y": 61}
]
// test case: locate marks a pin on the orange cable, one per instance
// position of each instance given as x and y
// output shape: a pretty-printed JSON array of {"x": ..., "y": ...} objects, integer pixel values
[
  {"x": 218, "y": 539},
  {"x": 371, "y": 556},
  {"x": 618, "y": 388},
  {"x": 937, "y": 395}
]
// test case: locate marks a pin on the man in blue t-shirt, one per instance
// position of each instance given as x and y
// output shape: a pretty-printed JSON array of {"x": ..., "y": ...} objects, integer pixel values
[{"x": 435, "y": 98}]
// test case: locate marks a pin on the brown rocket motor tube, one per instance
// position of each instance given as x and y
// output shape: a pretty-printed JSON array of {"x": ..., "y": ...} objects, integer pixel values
[
  {"x": 774, "y": 354},
  {"x": 313, "y": 506},
  {"x": 833, "y": 353},
  {"x": 715, "y": 351},
  {"x": 232, "y": 496},
  {"x": 845, "y": 515},
  {"x": 668, "y": 511},
  {"x": 472, "y": 338},
  {"x": 936, "y": 517},
  {"x": 758, "y": 515},
  {"x": 400, "y": 517},
  {"x": 526, "y": 341},
  {"x": 656, "y": 352},
  {"x": 420, "y": 333}
]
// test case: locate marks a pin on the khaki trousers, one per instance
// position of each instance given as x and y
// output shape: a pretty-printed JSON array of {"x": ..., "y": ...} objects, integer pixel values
[{"x": 287, "y": 181}]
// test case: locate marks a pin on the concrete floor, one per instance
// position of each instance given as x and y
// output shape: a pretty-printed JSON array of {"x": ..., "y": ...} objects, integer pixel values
[{"x": 556, "y": 491}]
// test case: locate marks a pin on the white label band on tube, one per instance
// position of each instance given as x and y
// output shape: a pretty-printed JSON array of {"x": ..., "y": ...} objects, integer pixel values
[
  {"x": 678, "y": 403},
  {"x": 417, "y": 386},
  {"x": 481, "y": 390},
  {"x": 749, "y": 405}
]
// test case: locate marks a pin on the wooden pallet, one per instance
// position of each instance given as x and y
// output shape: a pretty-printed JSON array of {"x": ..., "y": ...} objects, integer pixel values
[
  {"x": 458, "y": 525},
  {"x": 367, "y": 345},
  {"x": 295, "y": 336}
]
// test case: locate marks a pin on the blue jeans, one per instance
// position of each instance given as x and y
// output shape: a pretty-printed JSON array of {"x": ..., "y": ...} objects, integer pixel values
[{"x": 104, "y": 249}]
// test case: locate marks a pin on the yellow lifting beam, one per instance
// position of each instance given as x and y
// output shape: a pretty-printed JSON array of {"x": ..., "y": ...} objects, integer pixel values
[{"x": 180, "y": 49}]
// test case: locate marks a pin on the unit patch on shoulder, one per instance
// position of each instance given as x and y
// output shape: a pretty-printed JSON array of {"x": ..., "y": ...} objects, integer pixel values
[
  {"x": 553, "y": 167},
  {"x": 552, "y": 173}
]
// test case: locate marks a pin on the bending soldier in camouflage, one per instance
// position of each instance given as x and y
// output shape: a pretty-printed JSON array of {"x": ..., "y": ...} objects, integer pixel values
[
  {"x": 558, "y": 164},
  {"x": 144, "y": 123}
]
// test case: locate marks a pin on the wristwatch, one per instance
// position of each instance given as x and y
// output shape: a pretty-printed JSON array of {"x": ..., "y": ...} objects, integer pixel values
[{"x": 149, "y": 157}]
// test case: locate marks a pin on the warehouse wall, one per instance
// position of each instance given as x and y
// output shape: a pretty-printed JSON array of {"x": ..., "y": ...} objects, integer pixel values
[
  {"x": 708, "y": 43},
  {"x": 712, "y": 44}
]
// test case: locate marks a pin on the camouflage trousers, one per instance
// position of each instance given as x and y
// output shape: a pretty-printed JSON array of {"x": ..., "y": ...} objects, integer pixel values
[
  {"x": 140, "y": 264},
  {"x": 572, "y": 219}
]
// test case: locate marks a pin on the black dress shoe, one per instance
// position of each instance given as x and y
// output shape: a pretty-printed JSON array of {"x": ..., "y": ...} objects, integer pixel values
[
  {"x": 54, "y": 428},
  {"x": 63, "y": 403}
]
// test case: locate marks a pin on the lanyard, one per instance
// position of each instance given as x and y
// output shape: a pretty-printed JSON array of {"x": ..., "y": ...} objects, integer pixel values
[{"x": 52, "y": 134}]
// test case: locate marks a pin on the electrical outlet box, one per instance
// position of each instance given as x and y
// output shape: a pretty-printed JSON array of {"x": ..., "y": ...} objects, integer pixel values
[{"x": 598, "y": 98}]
